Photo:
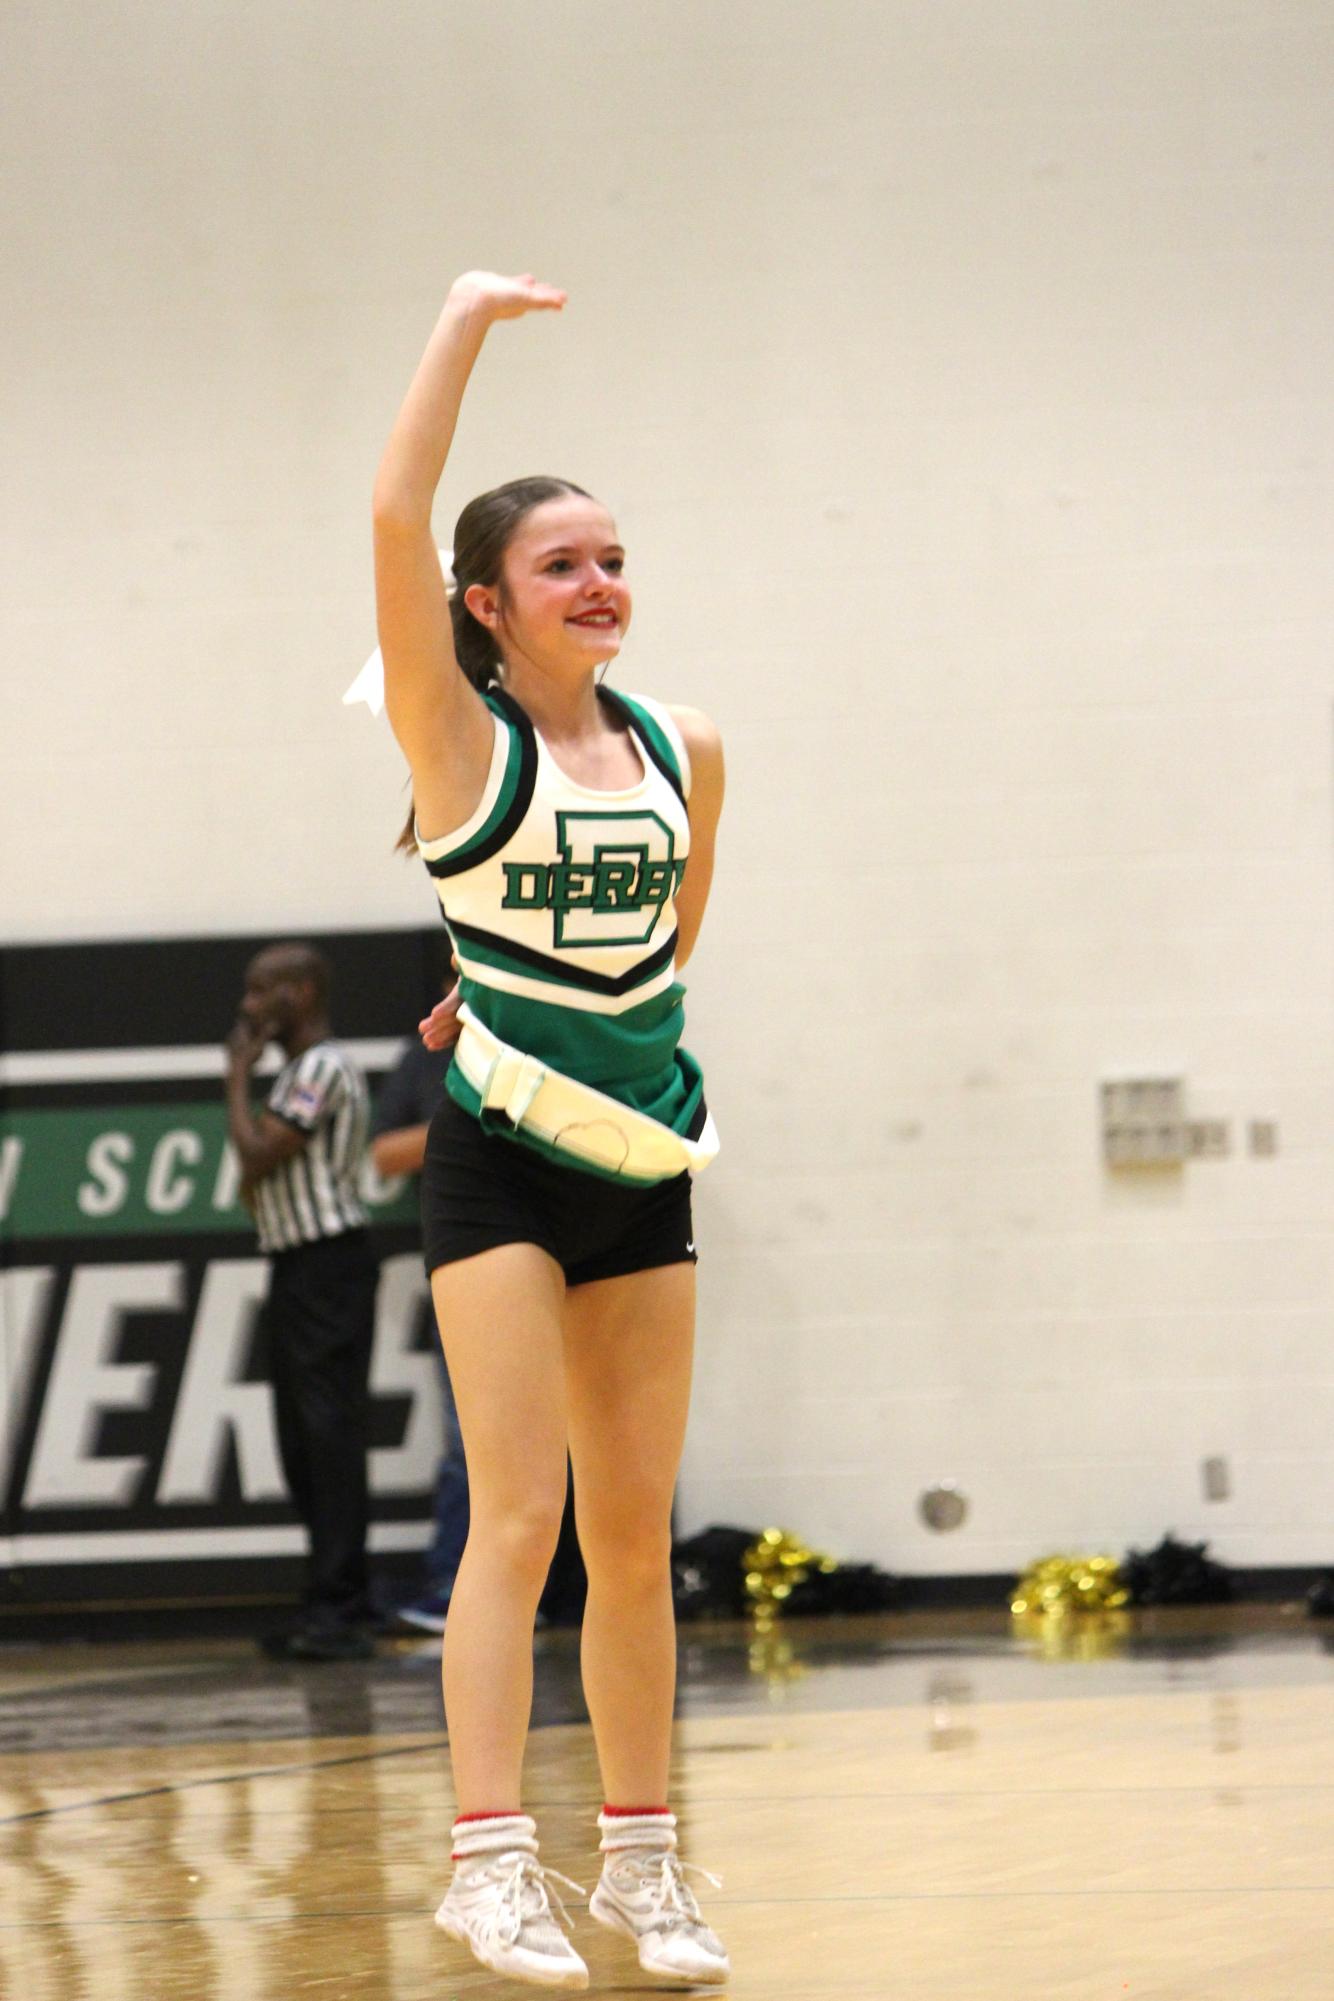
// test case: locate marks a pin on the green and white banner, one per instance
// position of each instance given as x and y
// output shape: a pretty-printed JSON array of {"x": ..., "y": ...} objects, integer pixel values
[{"x": 137, "y": 1449}]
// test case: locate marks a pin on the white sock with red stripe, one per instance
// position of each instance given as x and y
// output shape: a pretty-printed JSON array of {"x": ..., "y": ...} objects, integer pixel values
[
  {"x": 636, "y": 1827},
  {"x": 483, "y": 1834},
  {"x": 642, "y": 1893},
  {"x": 500, "y": 1903}
]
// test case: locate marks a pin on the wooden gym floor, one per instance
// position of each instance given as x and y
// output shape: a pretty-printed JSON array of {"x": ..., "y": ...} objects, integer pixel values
[{"x": 910, "y": 1808}]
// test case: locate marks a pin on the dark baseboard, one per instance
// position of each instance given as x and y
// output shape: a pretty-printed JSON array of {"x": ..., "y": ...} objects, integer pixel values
[
  {"x": 246, "y": 1615},
  {"x": 980, "y": 1590}
]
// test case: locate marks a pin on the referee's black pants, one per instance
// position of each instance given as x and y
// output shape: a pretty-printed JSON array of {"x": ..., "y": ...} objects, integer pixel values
[{"x": 319, "y": 1319}]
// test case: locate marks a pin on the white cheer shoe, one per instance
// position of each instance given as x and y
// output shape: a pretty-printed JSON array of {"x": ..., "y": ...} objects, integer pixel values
[
  {"x": 643, "y": 1894},
  {"x": 499, "y": 1904}
]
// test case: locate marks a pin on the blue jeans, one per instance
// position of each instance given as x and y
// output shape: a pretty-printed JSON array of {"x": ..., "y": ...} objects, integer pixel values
[{"x": 451, "y": 1498}]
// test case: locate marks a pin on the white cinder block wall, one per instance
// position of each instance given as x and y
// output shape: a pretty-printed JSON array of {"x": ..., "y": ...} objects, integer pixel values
[{"x": 960, "y": 376}]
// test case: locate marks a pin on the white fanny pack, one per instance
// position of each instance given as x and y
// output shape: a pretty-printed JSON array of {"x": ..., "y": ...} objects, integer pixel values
[{"x": 573, "y": 1117}]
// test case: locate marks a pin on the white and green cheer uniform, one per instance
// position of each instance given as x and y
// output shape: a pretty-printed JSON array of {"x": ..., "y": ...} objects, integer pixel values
[{"x": 560, "y": 903}]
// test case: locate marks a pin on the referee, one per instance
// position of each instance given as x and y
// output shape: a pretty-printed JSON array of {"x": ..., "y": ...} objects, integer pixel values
[{"x": 298, "y": 1156}]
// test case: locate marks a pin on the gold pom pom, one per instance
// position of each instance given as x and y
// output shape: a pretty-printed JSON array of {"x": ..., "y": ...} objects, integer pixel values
[
  {"x": 1057, "y": 1585},
  {"x": 774, "y": 1566}
]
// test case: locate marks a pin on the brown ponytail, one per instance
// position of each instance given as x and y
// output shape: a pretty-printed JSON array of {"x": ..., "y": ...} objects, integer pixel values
[{"x": 481, "y": 536}]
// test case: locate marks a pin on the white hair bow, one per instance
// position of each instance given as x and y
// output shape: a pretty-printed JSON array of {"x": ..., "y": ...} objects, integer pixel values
[{"x": 369, "y": 684}]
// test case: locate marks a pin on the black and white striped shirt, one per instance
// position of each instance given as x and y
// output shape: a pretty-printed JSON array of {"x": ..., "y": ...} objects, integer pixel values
[{"x": 313, "y": 1195}]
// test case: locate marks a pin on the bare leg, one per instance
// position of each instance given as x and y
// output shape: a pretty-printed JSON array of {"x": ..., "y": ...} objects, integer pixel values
[
  {"x": 500, "y": 1316},
  {"x": 628, "y": 1353}
]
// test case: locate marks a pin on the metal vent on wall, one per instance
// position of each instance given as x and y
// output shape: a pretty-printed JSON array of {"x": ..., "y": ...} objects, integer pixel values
[{"x": 1144, "y": 1122}]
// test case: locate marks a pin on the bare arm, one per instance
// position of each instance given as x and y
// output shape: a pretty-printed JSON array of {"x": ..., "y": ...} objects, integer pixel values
[
  {"x": 439, "y": 719},
  {"x": 708, "y": 777},
  {"x": 264, "y": 1142},
  {"x": 401, "y": 1151}
]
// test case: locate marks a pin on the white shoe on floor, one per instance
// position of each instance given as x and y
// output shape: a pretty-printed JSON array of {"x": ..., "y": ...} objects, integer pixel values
[
  {"x": 499, "y": 1904},
  {"x": 643, "y": 1893}
]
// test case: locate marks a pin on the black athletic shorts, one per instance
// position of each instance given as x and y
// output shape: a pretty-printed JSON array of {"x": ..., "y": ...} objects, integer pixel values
[{"x": 480, "y": 1189}]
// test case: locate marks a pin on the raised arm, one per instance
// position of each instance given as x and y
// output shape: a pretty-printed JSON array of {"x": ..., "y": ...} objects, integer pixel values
[{"x": 439, "y": 719}]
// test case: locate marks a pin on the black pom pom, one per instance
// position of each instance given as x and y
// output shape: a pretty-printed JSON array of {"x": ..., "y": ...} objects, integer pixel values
[
  {"x": 1320, "y": 1597},
  {"x": 1176, "y": 1573},
  {"x": 709, "y": 1581},
  {"x": 849, "y": 1587},
  {"x": 708, "y": 1577}
]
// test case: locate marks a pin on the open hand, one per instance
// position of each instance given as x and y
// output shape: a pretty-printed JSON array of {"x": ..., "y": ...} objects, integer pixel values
[
  {"x": 506, "y": 298},
  {"x": 440, "y": 1030}
]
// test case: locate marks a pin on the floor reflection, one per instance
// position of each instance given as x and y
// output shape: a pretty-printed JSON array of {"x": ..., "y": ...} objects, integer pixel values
[
  {"x": 193, "y": 1821},
  {"x": 948, "y": 1696}
]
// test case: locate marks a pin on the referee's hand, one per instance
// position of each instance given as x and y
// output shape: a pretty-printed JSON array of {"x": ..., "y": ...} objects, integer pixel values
[
  {"x": 440, "y": 1030},
  {"x": 245, "y": 1044}
]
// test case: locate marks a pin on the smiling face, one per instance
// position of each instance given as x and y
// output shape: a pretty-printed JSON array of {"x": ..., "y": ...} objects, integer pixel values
[{"x": 562, "y": 604}]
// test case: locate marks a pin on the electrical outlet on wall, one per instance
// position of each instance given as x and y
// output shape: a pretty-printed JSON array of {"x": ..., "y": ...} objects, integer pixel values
[
  {"x": 1208, "y": 1139},
  {"x": 1216, "y": 1477}
]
